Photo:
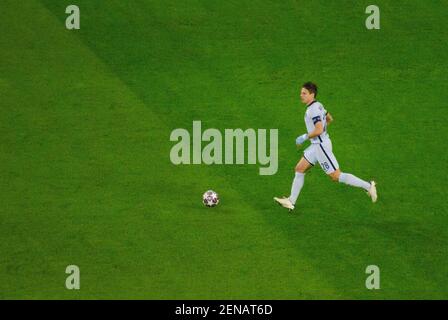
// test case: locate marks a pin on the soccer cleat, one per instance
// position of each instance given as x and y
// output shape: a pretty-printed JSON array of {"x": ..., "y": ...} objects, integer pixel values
[
  {"x": 372, "y": 191},
  {"x": 285, "y": 203}
]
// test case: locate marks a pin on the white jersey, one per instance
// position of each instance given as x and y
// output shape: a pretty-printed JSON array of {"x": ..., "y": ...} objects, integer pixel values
[{"x": 316, "y": 112}]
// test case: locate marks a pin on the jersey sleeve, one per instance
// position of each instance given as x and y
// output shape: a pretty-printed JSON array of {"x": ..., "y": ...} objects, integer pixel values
[{"x": 315, "y": 114}]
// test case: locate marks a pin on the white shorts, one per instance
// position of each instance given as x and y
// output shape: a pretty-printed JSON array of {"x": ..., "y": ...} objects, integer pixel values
[{"x": 322, "y": 153}]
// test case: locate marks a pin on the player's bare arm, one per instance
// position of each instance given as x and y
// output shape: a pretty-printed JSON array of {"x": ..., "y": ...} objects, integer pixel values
[
  {"x": 319, "y": 128},
  {"x": 329, "y": 118}
]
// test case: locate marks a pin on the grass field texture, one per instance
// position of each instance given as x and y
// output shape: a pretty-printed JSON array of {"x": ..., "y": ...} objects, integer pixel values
[{"x": 86, "y": 177}]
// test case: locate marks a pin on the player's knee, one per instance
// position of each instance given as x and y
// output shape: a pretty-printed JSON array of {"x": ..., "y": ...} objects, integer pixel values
[
  {"x": 299, "y": 169},
  {"x": 335, "y": 176}
]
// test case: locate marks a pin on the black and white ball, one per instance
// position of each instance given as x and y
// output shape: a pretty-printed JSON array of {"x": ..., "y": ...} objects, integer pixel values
[{"x": 210, "y": 198}]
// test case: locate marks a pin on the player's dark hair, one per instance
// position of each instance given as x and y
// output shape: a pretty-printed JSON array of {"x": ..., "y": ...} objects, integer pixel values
[{"x": 311, "y": 87}]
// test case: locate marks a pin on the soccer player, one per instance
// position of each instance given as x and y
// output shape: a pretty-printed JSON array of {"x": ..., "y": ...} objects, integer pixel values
[{"x": 320, "y": 151}]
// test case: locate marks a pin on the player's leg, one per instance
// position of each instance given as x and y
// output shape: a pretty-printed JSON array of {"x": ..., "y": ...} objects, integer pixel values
[
  {"x": 306, "y": 162},
  {"x": 349, "y": 179},
  {"x": 331, "y": 167},
  {"x": 289, "y": 202},
  {"x": 354, "y": 181},
  {"x": 301, "y": 168}
]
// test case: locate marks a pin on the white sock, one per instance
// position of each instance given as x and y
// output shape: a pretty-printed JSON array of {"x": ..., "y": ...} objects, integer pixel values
[
  {"x": 297, "y": 185},
  {"x": 352, "y": 180}
]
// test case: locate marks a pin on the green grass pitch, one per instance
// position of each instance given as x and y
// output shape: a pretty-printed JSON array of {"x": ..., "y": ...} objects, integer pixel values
[{"x": 86, "y": 177}]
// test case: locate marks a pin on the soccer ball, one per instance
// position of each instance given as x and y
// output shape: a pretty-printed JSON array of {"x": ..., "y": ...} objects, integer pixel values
[{"x": 210, "y": 198}]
